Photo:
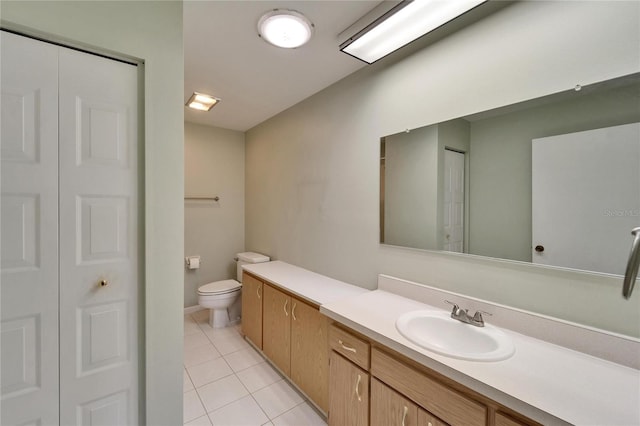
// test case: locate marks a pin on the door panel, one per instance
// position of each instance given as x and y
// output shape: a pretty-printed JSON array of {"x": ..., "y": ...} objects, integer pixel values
[
  {"x": 276, "y": 342},
  {"x": 585, "y": 198},
  {"x": 310, "y": 352},
  {"x": 252, "y": 309},
  {"x": 388, "y": 407},
  {"x": 349, "y": 393},
  {"x": 453, "y": 214},
  {"x": 99, "y": 278},
  {"x": 29, "y": 231}
]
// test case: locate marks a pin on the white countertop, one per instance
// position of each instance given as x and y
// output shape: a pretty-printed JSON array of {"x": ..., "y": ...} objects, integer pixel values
[
  {"x": 315, "y": 288},
  {"x": 548, "y": 383}
]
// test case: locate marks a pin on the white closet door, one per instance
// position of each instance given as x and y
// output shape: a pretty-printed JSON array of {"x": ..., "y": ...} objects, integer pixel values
[
  {"x": 99, "y": 277},
  {"x": 29, "y": 231}
]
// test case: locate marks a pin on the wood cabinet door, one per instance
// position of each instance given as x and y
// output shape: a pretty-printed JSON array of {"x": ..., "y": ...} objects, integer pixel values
[
  {"x": 349, "y": 393},
  {"x": 252, "y": 290},
  {"x": 388, "y": 407},
  {"x": 309, "y": 352},
  {"x": 425, "y": 418},
  {"x": 276, "y": 328}
]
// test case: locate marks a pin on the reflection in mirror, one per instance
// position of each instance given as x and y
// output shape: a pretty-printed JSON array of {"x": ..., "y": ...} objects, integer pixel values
[{"x": 554, "y": 180}]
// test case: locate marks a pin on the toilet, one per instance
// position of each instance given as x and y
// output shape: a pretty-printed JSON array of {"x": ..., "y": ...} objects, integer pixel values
[{"x": 221, "y": 297}]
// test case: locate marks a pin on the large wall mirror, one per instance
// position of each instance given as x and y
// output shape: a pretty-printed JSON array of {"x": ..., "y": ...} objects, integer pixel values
[{"x": 554, "y": 180}]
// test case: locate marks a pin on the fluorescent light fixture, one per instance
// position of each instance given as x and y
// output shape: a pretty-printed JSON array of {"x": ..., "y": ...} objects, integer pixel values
[
  {"x": 285, "y": 28},
  {"x": 202, "y": 102},
  {"x": 403, "y": 24}
]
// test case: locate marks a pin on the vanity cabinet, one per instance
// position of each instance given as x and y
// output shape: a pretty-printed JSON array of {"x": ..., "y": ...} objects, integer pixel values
[
  {"x": 441, "y": 400},
  {"x": 295, "y": 340},
  {"x": 252, "y": 289},
  {"x": 349, "y": 393},
  {"x": 402, "y": 392}
]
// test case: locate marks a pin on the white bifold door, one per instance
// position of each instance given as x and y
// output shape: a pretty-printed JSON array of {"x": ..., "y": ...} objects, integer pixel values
[{"x": 70, "y": 254}]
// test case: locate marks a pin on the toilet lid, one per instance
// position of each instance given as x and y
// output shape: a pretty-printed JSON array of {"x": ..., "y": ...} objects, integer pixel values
[{"x": 220, "y": 287}]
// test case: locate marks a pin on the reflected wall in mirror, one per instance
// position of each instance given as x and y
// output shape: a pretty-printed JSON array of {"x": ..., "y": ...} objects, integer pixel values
[{"x": 553, "y": 180}]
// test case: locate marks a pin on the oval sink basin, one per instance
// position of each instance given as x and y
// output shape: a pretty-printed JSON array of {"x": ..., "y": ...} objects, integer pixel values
[{"x": 438, "y": 332}]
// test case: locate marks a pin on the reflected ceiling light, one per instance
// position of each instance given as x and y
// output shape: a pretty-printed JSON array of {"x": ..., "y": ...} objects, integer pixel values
[
  {"x": 202, "y": 102},
  {"x": 406, "y": 22},
  {"x": 285, "y": 28}
]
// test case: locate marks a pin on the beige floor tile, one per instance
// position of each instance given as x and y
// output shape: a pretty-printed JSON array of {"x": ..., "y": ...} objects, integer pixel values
[
  {"x": 277, "y": 398},
  {"x": 221, "y": 392},
  {"x": 192, "y": 407},
  {"x": 243, "y": 412},
  {"x": 199, "y": 354},
  {"x": 208, "y": 372},
  {"x": 258, "y": 376}
]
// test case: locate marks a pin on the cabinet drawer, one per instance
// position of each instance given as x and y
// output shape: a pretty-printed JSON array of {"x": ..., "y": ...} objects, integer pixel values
[
  {"x": 351, "y": 347},
  {"x": 444, "y": 402}
]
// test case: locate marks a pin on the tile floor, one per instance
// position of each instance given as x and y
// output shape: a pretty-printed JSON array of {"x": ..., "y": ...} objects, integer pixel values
[{"x": 228, "y": 383}]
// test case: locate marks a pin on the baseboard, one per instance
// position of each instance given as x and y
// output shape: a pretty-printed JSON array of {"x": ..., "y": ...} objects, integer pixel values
[{"x": 192, "y": 309}]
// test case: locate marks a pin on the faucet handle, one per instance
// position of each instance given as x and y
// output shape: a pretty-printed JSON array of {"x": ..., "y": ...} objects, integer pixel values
[
  {"x": 456, "y": 308},
  {"x": 477, "y": 317}
]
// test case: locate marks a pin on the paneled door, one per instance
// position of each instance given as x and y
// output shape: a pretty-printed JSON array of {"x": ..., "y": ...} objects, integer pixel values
[
  {"x": 98, "y": 241},
  {"x": 453, "y": 194},
  {"x": 29, "y": 231},
  {"x": 70, "y": 277},
  {"x": 585, "y": 198}
]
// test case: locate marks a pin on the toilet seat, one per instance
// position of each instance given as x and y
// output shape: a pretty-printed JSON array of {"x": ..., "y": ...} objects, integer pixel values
[{"x": 219, "y": 287}]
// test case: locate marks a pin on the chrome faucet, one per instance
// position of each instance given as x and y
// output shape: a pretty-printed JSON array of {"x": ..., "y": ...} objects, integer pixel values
[
  {"x": 632, "y": 265},
  {"x": 463, "y": 315}
]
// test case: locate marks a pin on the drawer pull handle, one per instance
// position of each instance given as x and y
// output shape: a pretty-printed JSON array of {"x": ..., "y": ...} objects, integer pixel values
[
  {"x": 347, "y": 348},
  {"x": 358, "y": 388},
  {"x": 293, "y": 312},
  {"x": 404, "y": 414},
  {"x": 285, "y": 307},
  {"x": 258, "y": 293}
]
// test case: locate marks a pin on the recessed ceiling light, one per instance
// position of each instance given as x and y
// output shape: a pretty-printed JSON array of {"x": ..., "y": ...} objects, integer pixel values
[
  {"x": 285, "y": 28},
  {"x": 202, "y": 102}
]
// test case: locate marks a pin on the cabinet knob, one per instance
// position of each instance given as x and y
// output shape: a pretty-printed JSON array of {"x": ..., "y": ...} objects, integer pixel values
[
  {"x": 539, "y": 248},
  {"x": 104, "y": 283}
]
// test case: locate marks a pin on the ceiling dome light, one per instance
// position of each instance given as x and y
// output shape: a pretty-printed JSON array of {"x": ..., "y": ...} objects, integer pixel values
[{"x": 285, "y": 28}]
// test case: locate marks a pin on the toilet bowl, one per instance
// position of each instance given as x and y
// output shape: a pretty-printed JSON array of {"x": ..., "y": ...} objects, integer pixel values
[{"x": 221, "y": 297}]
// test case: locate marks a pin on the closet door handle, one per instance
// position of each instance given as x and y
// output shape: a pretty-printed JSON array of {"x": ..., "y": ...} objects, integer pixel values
[
  {"x": 404, "y": 414},
  {"x": 358, "y": 388},
  {"x": 293, "y": 312},
  {"x": 347, "y": 348},
  {"x": 285, "y": 307},
  {"x": 258, "y": 293}
]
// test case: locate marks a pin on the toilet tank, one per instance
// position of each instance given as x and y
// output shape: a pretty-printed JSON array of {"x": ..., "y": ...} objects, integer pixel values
[{"x": 248, "y": 257}]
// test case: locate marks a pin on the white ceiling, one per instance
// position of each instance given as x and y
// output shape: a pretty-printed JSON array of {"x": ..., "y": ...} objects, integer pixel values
[{"x": 225, "y": 57}]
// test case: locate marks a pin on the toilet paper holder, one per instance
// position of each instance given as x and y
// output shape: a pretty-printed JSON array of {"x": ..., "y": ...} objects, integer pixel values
[{"x": 192, "y": 262}]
